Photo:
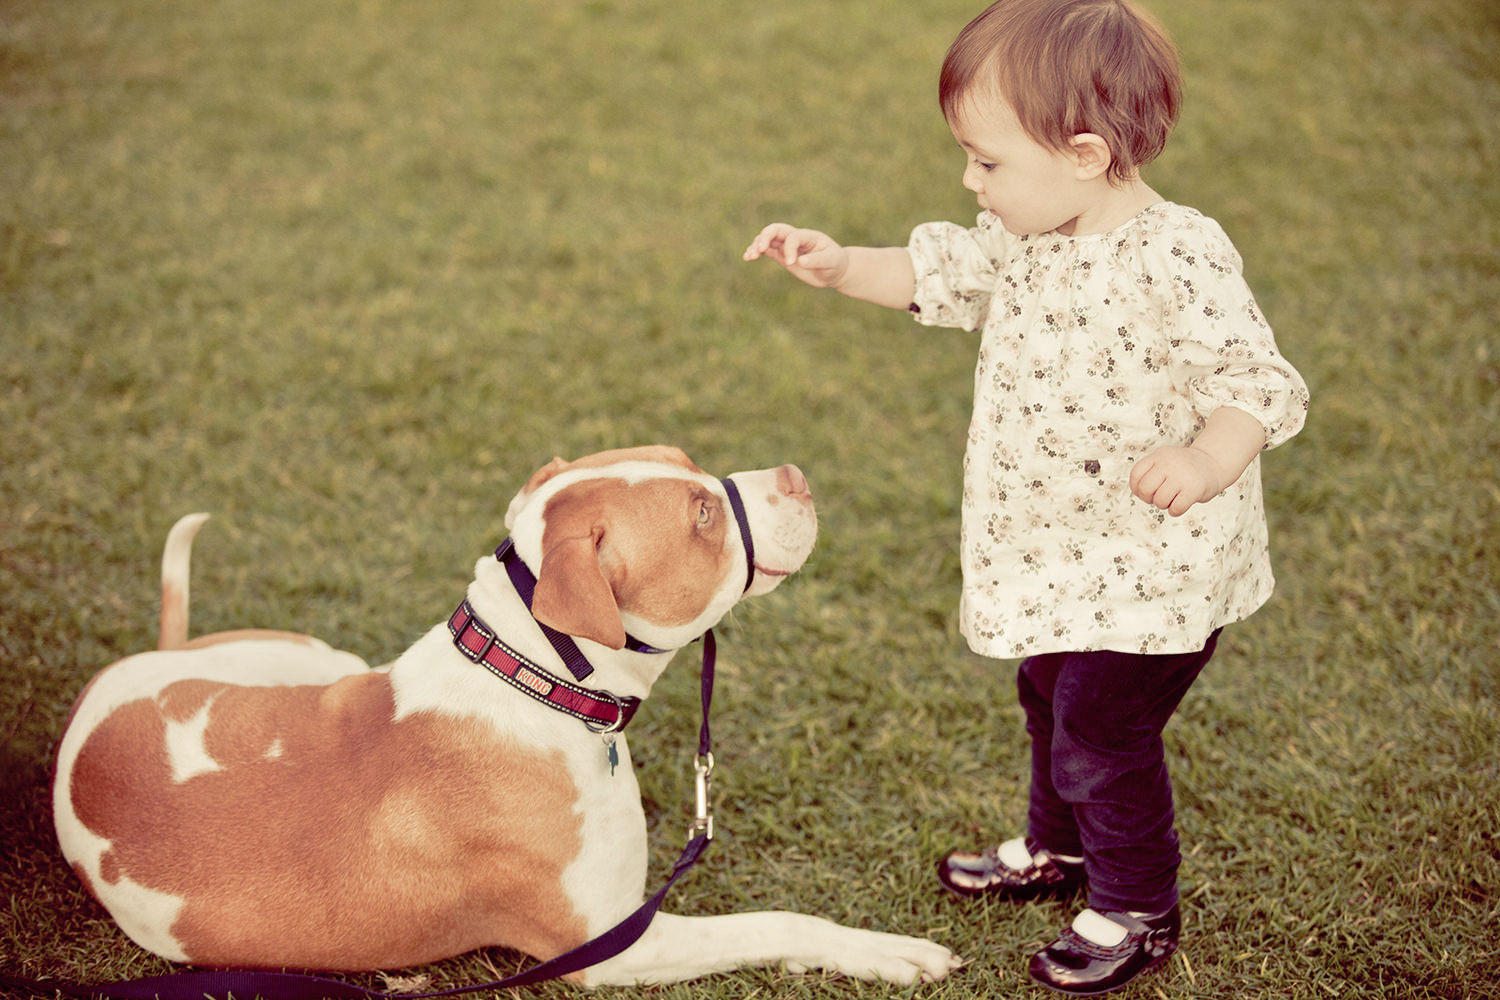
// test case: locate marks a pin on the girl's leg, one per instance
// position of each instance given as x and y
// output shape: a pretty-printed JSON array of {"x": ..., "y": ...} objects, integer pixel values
[
  {"x": 1108, "y": 764},
  {"x": 1048, "y": 861},
  {"x": 1049, "y": 820},
  {"x": 1109, "y": 710}
]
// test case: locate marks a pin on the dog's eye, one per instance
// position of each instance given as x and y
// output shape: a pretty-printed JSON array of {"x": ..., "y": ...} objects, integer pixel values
[{"x": 705, "y": 514}]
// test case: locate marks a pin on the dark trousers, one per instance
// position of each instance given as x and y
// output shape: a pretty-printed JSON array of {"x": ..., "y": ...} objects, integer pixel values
[{"x": 1099, "y": 783}]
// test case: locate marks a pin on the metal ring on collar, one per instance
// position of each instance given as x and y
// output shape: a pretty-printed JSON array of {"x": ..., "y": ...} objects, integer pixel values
[{"x": 613, "y": 727}]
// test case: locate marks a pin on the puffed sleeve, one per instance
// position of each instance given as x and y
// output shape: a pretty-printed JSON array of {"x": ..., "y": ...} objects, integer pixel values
[
  {"x": 1223, "y": 351},
  {"x": 956, "y": 271}
]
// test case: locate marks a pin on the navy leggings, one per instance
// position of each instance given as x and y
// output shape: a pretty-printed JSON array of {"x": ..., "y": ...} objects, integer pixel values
[{"x": 1099, "y": 783}]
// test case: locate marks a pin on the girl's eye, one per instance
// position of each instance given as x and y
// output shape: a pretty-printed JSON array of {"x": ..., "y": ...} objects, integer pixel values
[{"x": 986, "y": 167}]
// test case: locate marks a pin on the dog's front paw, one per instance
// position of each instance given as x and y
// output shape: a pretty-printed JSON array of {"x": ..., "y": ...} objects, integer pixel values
[{"x": 893, "y": 958}]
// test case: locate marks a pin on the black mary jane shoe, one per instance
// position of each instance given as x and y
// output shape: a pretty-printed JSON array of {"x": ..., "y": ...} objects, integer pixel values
[
  {"x": 1073, "y": 964},
  {"x": 968, "y": 874}
]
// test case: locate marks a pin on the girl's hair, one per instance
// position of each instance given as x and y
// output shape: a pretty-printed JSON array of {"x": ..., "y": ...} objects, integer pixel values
[{"x": 1071, "y": 66}]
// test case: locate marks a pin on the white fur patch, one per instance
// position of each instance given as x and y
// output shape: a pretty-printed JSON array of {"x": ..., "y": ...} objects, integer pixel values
[
  {"x": 185, "y": 746},
  {"x": 144, "y": 914}
]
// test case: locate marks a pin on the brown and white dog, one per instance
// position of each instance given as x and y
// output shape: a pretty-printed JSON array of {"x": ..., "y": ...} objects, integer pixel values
[{"x": 259, "y": 799}]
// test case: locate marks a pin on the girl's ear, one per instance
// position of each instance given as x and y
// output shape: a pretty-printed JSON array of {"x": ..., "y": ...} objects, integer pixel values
[{"x": 1091, "y": 155}]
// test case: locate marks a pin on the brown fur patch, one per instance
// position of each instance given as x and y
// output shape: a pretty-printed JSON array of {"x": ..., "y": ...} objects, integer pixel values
[
  {"x": 659, "y": 545},
  {"x": 172, "y": 631},
  {"x": 333, "y": 837}
]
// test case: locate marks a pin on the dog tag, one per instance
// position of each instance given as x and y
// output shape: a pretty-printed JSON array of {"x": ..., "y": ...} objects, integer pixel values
[{"x": 610, "y": 752}]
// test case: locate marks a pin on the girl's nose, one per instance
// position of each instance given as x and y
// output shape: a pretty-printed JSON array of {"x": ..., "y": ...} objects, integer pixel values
[{"x": 971, "y": 178}]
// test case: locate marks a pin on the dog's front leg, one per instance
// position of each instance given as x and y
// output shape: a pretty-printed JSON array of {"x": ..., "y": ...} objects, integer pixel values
[{"x": 676, "y": 948}]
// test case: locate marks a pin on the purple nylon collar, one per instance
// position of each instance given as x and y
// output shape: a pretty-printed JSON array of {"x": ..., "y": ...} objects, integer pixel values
[{"x": 738, "y": 506}]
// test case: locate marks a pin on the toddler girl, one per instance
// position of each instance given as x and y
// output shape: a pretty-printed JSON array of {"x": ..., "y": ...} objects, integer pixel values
[{"x": 1112, "y": 514}]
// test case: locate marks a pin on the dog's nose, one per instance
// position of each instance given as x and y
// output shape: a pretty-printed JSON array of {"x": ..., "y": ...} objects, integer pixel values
[{"x": 792, "y": 483}]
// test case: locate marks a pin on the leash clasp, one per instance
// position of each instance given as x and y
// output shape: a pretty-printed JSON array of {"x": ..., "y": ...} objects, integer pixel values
[{"x": 703, "y": 820}]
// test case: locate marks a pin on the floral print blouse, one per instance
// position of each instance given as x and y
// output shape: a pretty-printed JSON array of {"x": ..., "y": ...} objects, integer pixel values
[{"x": 1096, "y": 350}]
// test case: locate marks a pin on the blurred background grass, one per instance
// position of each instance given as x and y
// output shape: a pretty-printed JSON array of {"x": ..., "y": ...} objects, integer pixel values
[{"x": 345, "y": 273}]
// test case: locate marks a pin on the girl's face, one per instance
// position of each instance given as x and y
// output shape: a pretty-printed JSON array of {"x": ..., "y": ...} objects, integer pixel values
[{"x": 1030, "y": 187}]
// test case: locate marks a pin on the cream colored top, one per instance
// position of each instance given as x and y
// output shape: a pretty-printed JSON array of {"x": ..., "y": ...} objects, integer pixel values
[{"x": 1096, "y": 350}]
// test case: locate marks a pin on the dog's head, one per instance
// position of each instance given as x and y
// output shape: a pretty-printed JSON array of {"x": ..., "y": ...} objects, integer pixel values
[{"x": 642, "y": 540}]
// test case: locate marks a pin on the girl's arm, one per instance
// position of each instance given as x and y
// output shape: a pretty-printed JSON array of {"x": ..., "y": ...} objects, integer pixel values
[
  {"x": 882, "y": 275},
  {"x": 1174, "y": 478}
]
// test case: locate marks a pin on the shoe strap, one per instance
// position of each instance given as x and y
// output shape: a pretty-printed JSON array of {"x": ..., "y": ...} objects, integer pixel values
[{"x": 1147, "y": 924}]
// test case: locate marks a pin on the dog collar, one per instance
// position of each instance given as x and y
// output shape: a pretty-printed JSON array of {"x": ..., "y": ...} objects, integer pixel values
[
  {"x": 601, "y": 711},
  {"x": 524, "y": 581}
]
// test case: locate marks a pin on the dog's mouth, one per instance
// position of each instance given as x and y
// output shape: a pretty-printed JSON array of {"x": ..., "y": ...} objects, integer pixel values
[{"x": 765, "y": 571}]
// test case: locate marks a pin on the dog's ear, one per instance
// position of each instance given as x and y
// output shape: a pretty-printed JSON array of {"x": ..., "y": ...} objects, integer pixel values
[
  {"x": 545, "y": 473},
  {"x": 572, "y": 593},
  {"x": 538, "y": 479}
]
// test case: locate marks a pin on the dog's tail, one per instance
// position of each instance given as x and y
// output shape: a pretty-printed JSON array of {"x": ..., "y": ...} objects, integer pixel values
[{"x": 176, "y": 559}]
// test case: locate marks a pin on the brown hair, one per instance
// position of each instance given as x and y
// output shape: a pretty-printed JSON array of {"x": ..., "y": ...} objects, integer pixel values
[{"x": 1071, "y": 66}]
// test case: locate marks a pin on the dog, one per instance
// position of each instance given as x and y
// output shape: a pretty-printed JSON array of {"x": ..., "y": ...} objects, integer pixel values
[{"x": 259, "y": 799}]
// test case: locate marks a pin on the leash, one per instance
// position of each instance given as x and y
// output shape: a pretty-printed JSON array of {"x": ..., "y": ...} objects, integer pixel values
[{"x": 296, "y": 986}]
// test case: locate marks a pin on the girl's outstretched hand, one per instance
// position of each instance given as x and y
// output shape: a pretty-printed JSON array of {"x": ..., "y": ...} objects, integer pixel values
[{"x": 814, "y": 257}]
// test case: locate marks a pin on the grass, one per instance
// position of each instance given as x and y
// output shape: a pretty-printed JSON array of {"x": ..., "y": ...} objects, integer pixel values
[{"x": 344, "y": 274}]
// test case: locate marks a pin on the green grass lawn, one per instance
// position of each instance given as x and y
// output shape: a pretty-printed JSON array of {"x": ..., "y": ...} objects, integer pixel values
[{"x": 345, "y": 273}]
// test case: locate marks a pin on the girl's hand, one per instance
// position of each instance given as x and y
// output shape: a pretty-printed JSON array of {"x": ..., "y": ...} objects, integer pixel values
[
  {"x": 1175, "y": 478},
  {"x": 812, "y": 256}
]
